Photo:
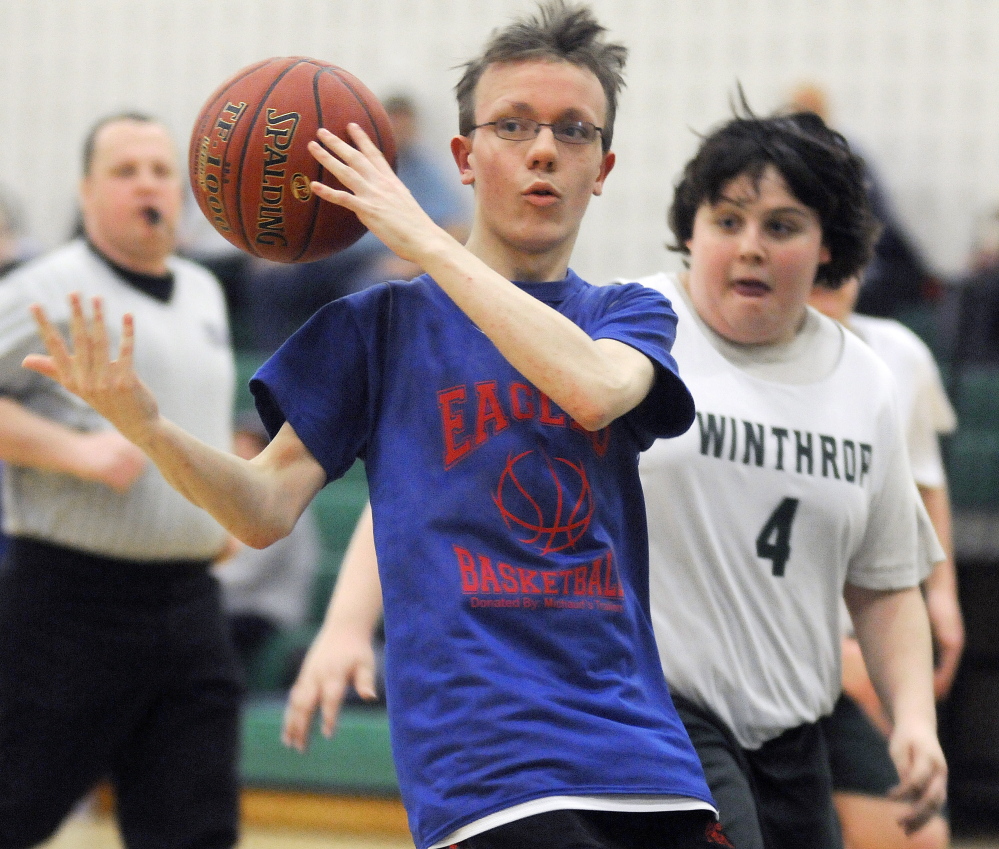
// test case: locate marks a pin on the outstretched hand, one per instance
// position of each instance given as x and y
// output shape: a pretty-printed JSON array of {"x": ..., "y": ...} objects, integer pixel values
[
  {"x": 84, "y": 367},
  {"x": 375, "y": 193}
]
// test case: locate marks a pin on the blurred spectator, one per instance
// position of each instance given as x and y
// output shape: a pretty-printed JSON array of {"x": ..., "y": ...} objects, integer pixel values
[
  {"x": 267, "y": 590},
  {"x": 985, "y": 244},
  {"x": 969, "y": 311},
  {"x": 425, "y": 178},
  {"x": 15, "y": 244},
  {"x": 897, "y": 276},
  {"x": 280, "y": 298},
  {"x": 15, "y": 248}
]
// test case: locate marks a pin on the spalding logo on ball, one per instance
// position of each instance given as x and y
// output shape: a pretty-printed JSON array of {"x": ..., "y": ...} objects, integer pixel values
[{"x": 249, "y": 162}]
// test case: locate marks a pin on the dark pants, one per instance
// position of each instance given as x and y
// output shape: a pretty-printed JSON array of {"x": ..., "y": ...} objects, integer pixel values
[
  {"x": 858, "y": 751},
  {"x": 570, "y": 829},
  {"x": 776, "y": 797},
  {"x": 120, "y": 670}
]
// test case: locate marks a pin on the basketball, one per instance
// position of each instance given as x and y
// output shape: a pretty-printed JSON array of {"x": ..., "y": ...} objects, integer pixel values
[{"x": 249, "y": 162}]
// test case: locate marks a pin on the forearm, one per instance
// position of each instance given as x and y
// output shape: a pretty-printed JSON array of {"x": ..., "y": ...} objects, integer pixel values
[
  {"x": 942, "y": 603},
  {"x": 258, "y": 501},
  {"x": 35, "y": 442},
  {"x": 942, "y": 580},
  {"x": 356, "y": 604},
  {"x": 894, "y": 635},
  {"x": 593, "y": 382}
]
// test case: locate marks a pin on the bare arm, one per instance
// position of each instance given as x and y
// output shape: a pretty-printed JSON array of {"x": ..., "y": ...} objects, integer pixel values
[
  {"x": 595, "y": 382},
  {"x": 35, "y": 442},
  {"x": 257, "y": 500},
  {"x": 341, "y": 653},
  {"x": 942, "y": 602},
  {"x": 893, "y": 631}
]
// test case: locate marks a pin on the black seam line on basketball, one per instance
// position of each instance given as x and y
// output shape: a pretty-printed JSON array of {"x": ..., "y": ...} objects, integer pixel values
[
  {"x": 317, "y": 208},
  {"x": 333, "y": 71},
  {"x": 362, "y": 102},
  {"x": 246, "y": 144}
]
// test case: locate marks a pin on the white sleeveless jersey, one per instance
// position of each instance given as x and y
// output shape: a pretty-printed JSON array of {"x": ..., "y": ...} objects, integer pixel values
[{"x": 777, "y": 495}]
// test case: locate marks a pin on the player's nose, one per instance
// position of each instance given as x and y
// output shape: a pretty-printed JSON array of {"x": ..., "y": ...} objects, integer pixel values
[{"x": 543, "y": 150}]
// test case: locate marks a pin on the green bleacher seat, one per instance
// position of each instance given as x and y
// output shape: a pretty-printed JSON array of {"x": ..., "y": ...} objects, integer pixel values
[
  {"x": 338, "y": 506},
  {"x": 247, "y": 362},
  {"x": 357, "y": 759},
  {"x": 922, "y": 319},
  {"x": 973, "y": 468},
  {"x": 978, "y": 400},
  {"x": 276, "y": 663}
]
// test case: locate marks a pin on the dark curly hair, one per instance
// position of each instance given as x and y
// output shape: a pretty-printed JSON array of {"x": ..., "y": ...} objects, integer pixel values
[
  {"x": 816, "y": 163},
  {"x": 559, "y": 32}
]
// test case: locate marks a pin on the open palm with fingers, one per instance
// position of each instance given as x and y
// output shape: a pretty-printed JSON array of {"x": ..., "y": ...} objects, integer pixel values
[{"x": 84, "y": 366}]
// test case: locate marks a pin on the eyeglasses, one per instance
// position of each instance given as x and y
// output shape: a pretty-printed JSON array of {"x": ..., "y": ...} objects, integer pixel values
[{"x": 524, "y": 129}]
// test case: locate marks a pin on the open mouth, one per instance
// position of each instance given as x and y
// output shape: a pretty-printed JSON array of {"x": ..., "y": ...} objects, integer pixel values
[
  {"x": 750, "y": 286},
  {"x": 541, "y": 190},
  {"x": 152, "y": 215}
]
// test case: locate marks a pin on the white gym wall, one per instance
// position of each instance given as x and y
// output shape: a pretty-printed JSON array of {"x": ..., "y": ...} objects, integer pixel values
[{"x": 912, "y": 81}]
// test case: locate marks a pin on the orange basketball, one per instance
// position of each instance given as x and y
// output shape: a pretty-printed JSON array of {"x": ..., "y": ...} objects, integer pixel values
[{"x": 249, "y": 161}]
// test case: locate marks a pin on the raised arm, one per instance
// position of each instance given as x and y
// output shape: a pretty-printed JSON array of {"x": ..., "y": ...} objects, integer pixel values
[
  {"x": 595, "y": 382},
  {"x": 257, "y": 500},
  {"x": 893, "y": 630},
  {"x": 341, "y": 654}
]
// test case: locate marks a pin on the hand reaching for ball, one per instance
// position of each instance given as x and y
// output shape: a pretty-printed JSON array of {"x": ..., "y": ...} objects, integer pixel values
[{"x": 376, "y": 194}]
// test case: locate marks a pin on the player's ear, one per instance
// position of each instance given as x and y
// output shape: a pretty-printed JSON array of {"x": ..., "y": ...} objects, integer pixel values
[
  {"x": 605, "y": 169},
  {"x": 84, "y": 193},
  {"x": 461, "y": 150}
]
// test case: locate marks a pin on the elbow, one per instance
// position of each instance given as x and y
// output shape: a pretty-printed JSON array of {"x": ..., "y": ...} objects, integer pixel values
[
  {"x": 594, "y": 419},
  {"x": 261, "y": 535},
  {"x": 599, "y": 408}
]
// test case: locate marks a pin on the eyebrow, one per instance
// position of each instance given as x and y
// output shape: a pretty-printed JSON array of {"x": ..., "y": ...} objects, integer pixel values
[
  {"x": 782, "y": 210},
  {"x": 570, "y": 114}
]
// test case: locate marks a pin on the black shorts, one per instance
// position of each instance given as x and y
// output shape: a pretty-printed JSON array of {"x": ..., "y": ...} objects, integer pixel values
[
  {"x": 776, "y": 796},
  {"x": 858, "y": 751},
  {"x": 573, "y": 829}
]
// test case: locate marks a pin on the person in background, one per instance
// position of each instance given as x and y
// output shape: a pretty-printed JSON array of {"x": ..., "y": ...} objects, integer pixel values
[
  {"x": 115, "y": 657},
  {"x": 16, "y": 246},
  {"x": 792, "y": 491},
  {"x": 267, "y": 590},
  {"x": 858, "y": 729},
  {"x": 420, "y": 171},
  {"x": 898, "y": 275}
]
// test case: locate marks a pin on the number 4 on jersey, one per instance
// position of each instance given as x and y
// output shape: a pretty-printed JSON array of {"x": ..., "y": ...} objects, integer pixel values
[{"x": 774, "y": 541}]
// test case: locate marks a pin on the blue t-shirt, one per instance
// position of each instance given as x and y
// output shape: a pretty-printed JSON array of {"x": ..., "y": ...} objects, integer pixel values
[{"x": 512, "y": 547}]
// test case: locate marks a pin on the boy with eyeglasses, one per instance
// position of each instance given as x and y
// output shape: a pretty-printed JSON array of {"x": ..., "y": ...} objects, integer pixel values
[{"x": 501, "y": 424}]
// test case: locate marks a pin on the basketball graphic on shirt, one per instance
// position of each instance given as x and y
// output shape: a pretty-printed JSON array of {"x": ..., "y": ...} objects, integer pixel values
[{"x": 547, "y": 502}]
